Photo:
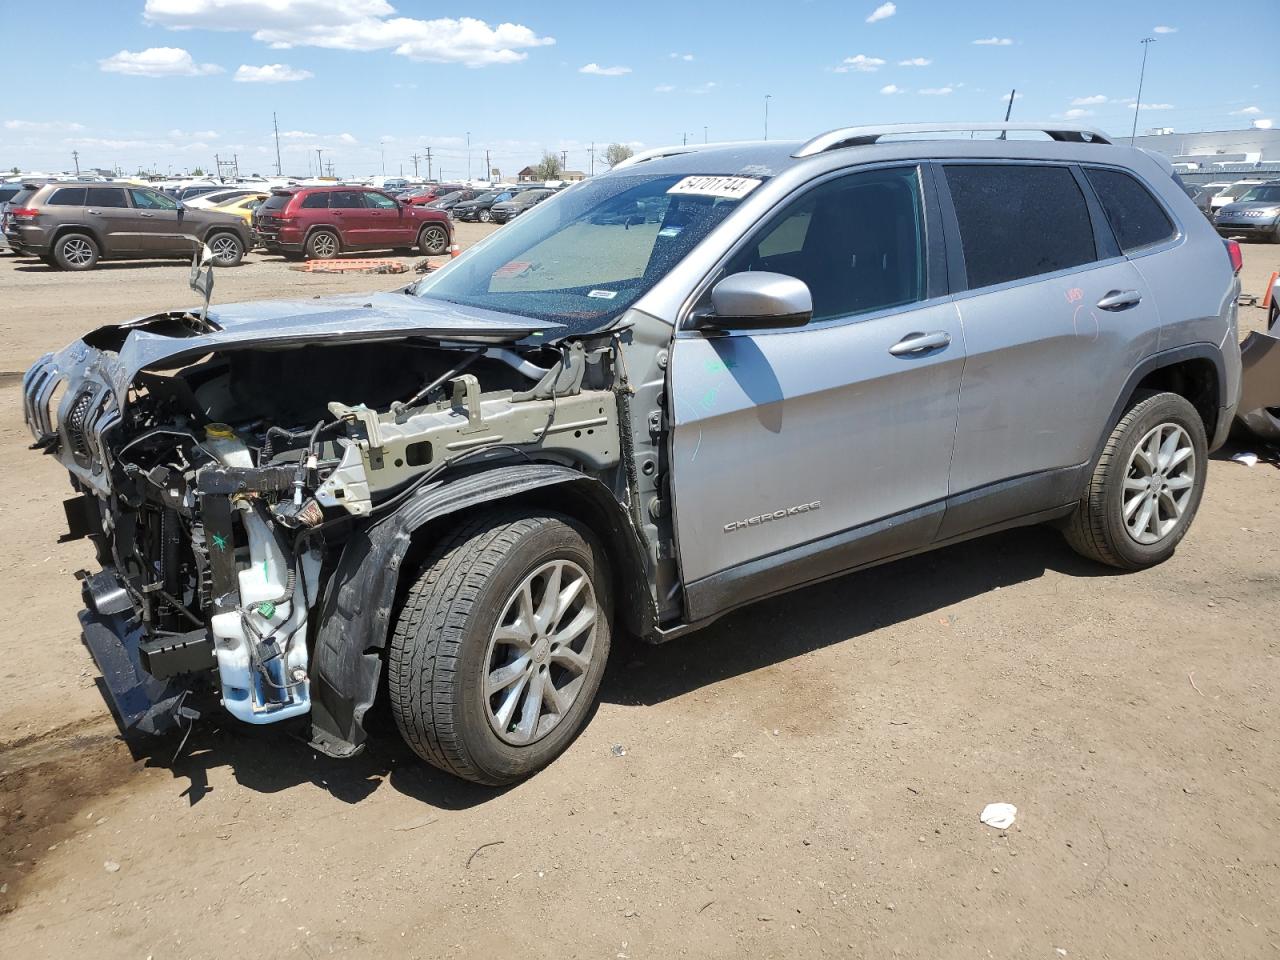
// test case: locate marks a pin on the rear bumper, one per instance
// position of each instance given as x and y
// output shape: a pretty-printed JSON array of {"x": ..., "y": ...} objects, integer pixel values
[{"x": 28, "y": 239}]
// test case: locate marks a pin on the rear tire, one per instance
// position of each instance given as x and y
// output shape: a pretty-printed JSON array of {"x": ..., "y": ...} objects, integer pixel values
[
  {"x": 323, "y": 245},
  {"x": 433, "y": 240},
  {"x": 486, "y": 676},
  {"x": 1140, "y": 502},
  {"x": 76, "y": 251}
]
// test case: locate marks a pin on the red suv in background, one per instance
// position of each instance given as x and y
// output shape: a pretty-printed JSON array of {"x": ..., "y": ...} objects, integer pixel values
[{"x": 322, "y": 222}]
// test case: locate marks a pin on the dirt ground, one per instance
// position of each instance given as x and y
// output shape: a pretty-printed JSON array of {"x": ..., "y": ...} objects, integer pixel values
[{"x": 804, "y": 778}]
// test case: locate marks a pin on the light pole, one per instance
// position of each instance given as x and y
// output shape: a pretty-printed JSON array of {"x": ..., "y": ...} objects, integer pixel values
[
  {"x": 468, "y": 155},
  {"x": 767, "y": 98},
  {"x": 1137, "y": 104},
  {"x": 704, "y": 133}
]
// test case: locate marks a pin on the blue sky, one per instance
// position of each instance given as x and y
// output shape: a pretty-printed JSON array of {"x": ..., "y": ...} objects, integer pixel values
[{"x": 170, "y": 83}]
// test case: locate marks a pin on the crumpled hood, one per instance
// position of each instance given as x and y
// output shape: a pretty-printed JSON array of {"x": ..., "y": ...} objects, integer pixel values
[{"x": 165, "y": 339}]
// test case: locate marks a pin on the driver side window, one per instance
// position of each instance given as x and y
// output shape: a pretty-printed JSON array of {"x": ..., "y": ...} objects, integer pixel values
[{"x": 856, "y": 241}]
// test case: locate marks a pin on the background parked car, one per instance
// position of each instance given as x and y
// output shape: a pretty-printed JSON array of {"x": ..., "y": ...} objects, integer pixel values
[
  {"x": 450, "y": 200},
  {"x": 73, "y": 226},
  {"x": 1231, "y": 192},
  {"x": 215, "y": 198},
  {"x": 7, "y": 192},
  {"x": 242, "y": 207},
  {"x": 479, "y": 208},
  {"x": 1200, "y": 197},
  {"x": 322, "y": 222},
  {"x": 1256, "y": 213},
  {"x": 522, "y": 201}
]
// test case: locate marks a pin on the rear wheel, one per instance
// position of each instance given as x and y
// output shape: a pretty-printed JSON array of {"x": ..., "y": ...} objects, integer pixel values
[
  {"x": 433, "y": 240},
  {"x": 227, "y": 249},
  {"x": 75, "y": 251},
  {"x": 1147, "y": 485},
  {"x": 323, "y": 245},
  {"x": 498, "y": 651}
]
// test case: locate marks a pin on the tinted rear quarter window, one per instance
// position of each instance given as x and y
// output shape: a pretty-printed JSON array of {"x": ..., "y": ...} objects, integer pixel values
[
  {"x": 1019, "y": 221},
  {"x": 67, "y": 197},
  {"x": 315, "y": 201},
  {"x": 277, "y": 201},
  {"x": 1135, "y": 215}
]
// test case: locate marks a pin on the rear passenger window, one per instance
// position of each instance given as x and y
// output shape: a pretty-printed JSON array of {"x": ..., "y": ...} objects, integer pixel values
[
  {"x": 106, "y": 197},
  {"x": 1136, "y": 216},
  {"x": 857, "y": 242},
  {"x": 346, "y": 200},
  {"x": 67, "y": 197},
  {"x": 1019, "y": 221},
  {"x": 314, "y": 201}
]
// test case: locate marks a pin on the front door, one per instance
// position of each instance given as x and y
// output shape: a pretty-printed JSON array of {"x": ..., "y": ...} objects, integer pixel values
[
  {"x": 390, "y": 223},
  {"x": 799, "y": 453},
  {"x": 353, "y": 218},
  {"x": 161, "y": 222}
]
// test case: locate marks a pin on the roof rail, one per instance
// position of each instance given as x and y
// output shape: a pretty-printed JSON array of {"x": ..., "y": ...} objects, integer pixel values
[
  {"x": 863, "y": 136},
  {"x": 657, "y": 153}
]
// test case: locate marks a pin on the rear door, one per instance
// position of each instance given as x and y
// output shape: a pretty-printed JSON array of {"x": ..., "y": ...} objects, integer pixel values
[
  {"x": 1055, "y": 319},
  {"x": 390, "y": 224},
  {"x": 353, "y": 218},
  {"x": 108, "y": 210},
  {"x": 833, "y": 440}
]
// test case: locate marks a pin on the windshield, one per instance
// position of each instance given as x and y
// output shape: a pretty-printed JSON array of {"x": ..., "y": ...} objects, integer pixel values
[
  {"x": 1265, "y": 194},
  {"x": 583, "y": 257},
  {"x": 1237, "y": 190}
]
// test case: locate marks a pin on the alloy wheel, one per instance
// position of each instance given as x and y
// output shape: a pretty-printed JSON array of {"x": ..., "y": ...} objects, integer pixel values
[
  {"x": 1158, "y": 483},
  {"x": 77, "y": 252},
  {"x": 540, "y": 652},
  {"x": 324, "y": 245},
  {"x": 225, "y": 249}
]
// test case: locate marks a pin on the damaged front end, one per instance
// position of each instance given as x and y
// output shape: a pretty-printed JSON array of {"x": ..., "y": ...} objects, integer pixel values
[{"x": 222, "y": 465}]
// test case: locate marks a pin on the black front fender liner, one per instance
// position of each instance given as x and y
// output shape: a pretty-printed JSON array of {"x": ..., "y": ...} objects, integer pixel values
[{"x": 359, "y": 598}]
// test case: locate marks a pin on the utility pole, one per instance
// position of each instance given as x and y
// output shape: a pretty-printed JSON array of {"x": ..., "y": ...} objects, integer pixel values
[
  {"x": 704, "y": 133},
  {"x": 276, "y": 126},
  {"x": 75, "y": 155},
  {"x": 319, "y": 164},
  {"x": 382, "y": 149},
  {"x": 468, "y": 154},
  {"x": 415, "y": 169},
  {"x": 767, "y": 98},
  {"x": 592, "y": 152},
  {"x": 1137, "y": 104},
  {"x": 564, "y": 162},
  {"x": 684, "y": 139},
  {"x": 415, "y": 158},
  {"x": 488, "y": 168}
]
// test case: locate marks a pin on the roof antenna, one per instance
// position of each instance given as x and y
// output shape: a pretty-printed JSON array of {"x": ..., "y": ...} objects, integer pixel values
[
  {"x": 1004, "y": 134},
  {"x": 202, "y": 280}
]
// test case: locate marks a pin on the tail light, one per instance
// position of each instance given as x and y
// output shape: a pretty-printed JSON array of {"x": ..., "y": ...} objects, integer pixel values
[
  {"x": 24, "y": 213},
  {"x": 1237, "y": 258}
]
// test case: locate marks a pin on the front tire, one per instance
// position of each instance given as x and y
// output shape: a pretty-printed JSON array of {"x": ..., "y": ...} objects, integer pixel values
[
  {"x": 1146, "y": 487},
  {"x": 76, "y": 251},
  {"x": 485, "y": 216},
  {"x": 433, "y": 240},
  {"x": 227, "y": 249},
  {"x": 497, "y": 654}
]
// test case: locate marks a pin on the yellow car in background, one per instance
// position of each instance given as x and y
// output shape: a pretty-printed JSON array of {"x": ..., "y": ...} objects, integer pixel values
[{"x": 243, "y": 207}]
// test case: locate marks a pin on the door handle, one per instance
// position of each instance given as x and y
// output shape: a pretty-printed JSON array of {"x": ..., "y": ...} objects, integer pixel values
[
  {"x": 1120, "y": 300},
  {"x": 149, "y": 216},
  {"x": 96, "y": 213},
  {"x": 917, "y": 343}
]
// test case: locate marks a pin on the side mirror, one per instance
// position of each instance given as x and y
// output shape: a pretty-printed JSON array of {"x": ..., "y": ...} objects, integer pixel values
[{"x": 758, "y": 300}]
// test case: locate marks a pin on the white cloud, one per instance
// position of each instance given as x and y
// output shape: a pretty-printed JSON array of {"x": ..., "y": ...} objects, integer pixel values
[
  {"x": 271, "y": 73},
  {"x": 1163, "y": 29},
  {"x": 891, "y": 88},
  {"x": 937, "y": 91},
  {"x": 883, "y": 12},
  {"x": 194, "y": 135},
  {"x": 1088, "y": 101},
  {"x": 860, "y": 64},
  {"x": 686, "y": 57},
  {"x": 664, "y": 88},
  {"x": 915, "y": 62},
  {"x": 598, "y": 71},
  {"x": 1246, "y": 111},
  {"x": 42, "y": 126},
  {"x": 1076, "y": 113},
  {"x": 352, "y": 25},
  {"x": 1004, "y": 97},
  {"x": 1262, "y": 124},
  {"x": 705, "y": 88},
  {"x": 994, "y": 42},
  {"x": 157, "y": 62},
  {"x": 1153, "y": 106}
]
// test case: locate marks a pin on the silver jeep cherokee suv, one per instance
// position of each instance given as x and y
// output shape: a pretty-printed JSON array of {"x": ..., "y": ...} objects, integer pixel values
[{"x": 812, "y": 358}]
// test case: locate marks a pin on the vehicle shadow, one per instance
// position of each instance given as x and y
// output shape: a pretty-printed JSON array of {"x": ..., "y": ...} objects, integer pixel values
[
  {"x": 271, "y": 760},
  {"x": 36, "y": 265},
  {"x": 839, "y": 610}
]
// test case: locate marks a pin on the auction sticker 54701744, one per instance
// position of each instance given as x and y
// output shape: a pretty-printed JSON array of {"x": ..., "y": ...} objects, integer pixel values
[{"x": 731, "y": 188}]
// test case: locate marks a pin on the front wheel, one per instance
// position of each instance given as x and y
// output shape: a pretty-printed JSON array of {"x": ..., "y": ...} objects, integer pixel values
[
  {"x": 433, "y": 240},
  {"x": 485, "y": 216},
  {"x": 1147, "y": 485},
  {"x": 227, "y": 249},
  {"x": 497, "y": 654}
]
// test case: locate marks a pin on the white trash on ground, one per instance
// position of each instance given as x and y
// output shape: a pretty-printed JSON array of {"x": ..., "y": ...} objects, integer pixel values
[
  {"x": 1248, "y": 459},
  {"x": 999, "y": 815}
]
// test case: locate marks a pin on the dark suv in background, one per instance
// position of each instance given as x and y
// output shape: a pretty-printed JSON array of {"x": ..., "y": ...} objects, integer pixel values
[
  {"x": 322, "y": 222},
  {"x": 74, "y": 225}
]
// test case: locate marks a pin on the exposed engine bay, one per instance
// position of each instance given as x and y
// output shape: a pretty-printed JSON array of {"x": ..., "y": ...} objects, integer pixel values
[{"x": 220, "y": 476}]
